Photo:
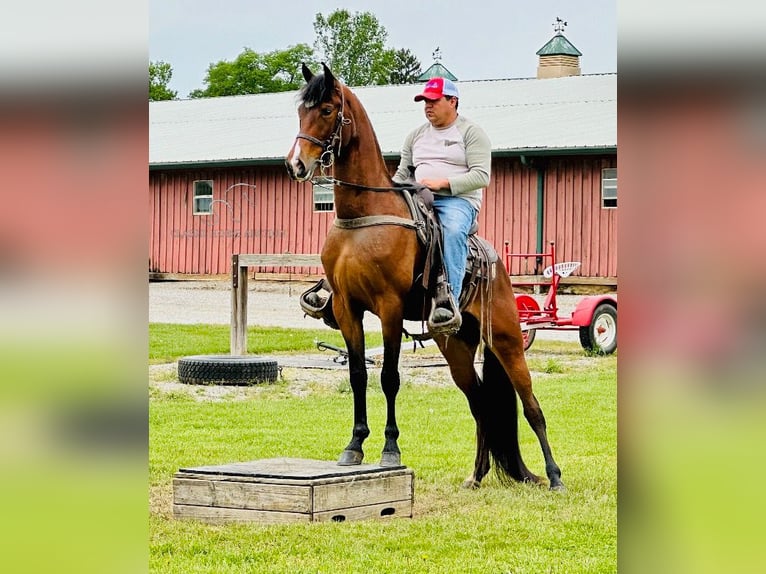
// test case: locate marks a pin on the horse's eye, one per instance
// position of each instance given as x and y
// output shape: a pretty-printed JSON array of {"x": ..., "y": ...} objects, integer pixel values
[{"x": 326, "y": 112}]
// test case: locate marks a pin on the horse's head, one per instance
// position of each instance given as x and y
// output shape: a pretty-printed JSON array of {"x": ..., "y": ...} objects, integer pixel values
[{"x": 321, "y": 122}]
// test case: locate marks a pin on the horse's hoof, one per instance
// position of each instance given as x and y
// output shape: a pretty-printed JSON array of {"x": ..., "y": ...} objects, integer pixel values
[
  {"x": 558, "y": 487},
  {"x": 390, "y": 459},
  {"x": 350, "y": 458},
  {"x": 471, "y": 484}
]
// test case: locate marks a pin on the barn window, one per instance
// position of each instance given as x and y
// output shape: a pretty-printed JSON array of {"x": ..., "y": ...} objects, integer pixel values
[
  {"x": 203, "y": 197},
  {"x": 323, "y": 196},
  {"x": 609, "y": 188}
]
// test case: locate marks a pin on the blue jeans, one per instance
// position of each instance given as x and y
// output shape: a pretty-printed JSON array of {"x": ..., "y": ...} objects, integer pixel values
[{"x": 456, "y": 216}]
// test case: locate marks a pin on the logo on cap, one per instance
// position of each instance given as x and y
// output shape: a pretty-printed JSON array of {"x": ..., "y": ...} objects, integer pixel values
[{"x": 437, "y": 88}]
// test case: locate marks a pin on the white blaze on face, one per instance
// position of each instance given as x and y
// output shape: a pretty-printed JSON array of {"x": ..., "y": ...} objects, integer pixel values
[{"x": 295, "y": 155}]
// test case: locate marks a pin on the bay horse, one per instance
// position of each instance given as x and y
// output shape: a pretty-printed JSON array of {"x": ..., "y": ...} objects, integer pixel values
[{"x": 373, "y": 265}]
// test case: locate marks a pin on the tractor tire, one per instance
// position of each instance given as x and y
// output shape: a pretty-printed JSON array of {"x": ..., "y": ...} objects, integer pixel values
[
  {"x": 600, "y": 336},
  {"x": 226, "y": 370}
]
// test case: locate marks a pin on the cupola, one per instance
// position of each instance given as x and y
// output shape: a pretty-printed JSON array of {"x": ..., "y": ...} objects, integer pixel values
[{"x": 558, "y": 58}]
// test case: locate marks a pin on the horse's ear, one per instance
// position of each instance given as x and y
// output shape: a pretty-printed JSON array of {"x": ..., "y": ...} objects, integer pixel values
[
  {"x": 307, "y": 74},
  {"x": 329, "y": 79}
]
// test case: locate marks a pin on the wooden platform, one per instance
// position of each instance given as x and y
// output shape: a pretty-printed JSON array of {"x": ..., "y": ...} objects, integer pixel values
[{"x": 281, "y": 490}]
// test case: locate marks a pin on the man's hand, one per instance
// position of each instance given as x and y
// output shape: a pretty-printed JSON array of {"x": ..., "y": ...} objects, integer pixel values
[{"x": 435, "y": 184}]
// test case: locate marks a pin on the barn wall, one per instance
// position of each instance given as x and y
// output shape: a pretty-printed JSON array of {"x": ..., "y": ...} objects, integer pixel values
[
  {"x": 572, "y": 214},
  {"x": 255, "y": 210},
  {"x": 509, "y": 211},
  {"x": 574, "y": 219},
  {"x": 260, "y": 210}
]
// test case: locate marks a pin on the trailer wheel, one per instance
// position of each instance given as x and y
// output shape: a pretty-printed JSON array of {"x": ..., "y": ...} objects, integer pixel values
[
  {"x": 527, "y": 307},
  {"x": 226, "y": 370},
  {"x": 601, "y": 335},
  {"x": 529, "y": 338}
]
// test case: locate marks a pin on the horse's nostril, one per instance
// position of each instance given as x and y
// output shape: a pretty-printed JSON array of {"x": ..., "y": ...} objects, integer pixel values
[{"x": 295, "y": 168}]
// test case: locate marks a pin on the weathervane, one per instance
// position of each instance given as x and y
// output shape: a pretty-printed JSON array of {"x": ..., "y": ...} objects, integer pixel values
[
  {"x": 436, "y": 54},
  {"x": 558, "y": 26}
]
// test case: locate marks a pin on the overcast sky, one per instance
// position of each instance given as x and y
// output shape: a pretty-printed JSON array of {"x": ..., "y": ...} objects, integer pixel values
[{"x": 478, "y": 39}]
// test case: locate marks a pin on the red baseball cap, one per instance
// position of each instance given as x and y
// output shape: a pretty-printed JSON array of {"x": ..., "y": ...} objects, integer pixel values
[{"x": 437, "y": 88}]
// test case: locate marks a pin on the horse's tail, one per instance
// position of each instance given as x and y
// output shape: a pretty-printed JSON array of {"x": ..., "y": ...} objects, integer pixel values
[{"x": 499, "y": 413}]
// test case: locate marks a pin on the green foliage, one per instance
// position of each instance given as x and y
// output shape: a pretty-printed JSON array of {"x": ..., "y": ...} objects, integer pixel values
[
  {"x": 254, "y": 73},
  {"x": 160, "y": 74},
  {"x": 353, "y": 46},
  {"x": 405, "y": 68},
  {"x": 553, "y": 366}
]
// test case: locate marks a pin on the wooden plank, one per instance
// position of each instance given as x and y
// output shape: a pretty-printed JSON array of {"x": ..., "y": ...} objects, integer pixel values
[
  {"x": 248, "y": 479},
  {"x": 284, "y": 468},
  {"x": 362, "y": 491},
  {"x": 279, "y": 259},
  {"x": 248, "y": 495},
  {"x": 215, "y": 515},
  {"x": 397, "y": 509}
]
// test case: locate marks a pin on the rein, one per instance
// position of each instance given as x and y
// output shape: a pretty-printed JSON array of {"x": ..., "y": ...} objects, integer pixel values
[
  {"x": 332, "y": 146},
  {"x": 328, "y": 146},
  {"x": 368, "y": 187}
]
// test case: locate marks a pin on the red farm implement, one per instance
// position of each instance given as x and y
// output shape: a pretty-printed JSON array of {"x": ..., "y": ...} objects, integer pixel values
[{"x": 595, "y": 316}]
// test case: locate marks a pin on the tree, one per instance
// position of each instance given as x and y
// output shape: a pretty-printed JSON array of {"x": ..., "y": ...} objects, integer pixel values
[
  {"x": 160, "y": 74},
  {"x": 405, "y": 68},
  {"x": 254, "y": 73},
  {"x": 353, "y": 47}
]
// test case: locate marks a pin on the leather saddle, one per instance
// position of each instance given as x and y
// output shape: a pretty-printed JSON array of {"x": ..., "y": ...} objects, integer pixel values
[{"x": 316, "y": 301}]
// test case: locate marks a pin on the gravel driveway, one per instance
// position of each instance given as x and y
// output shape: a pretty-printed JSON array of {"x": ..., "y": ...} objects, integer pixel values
[
  {"x": 270, "y": 304},
  {"x": 276, "y": 304}
]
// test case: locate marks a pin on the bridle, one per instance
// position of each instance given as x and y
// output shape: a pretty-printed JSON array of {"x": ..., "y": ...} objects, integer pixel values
[{"x": 329, "y": 149}]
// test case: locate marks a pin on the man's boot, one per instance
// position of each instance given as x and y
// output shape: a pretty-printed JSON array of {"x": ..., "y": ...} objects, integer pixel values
[{"x": 445, "y": 318}]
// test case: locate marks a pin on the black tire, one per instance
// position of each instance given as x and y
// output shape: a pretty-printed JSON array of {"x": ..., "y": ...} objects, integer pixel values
[
  {"x": 226, "y": 370},
  {"x": 601, "y": 335},
  {"x": 529, "y": 338}
]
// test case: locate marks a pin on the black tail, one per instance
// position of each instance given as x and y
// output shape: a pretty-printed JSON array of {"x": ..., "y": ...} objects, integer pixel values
[{"x": 499, "y": 413}]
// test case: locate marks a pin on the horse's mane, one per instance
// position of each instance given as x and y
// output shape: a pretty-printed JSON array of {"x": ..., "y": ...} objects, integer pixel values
[{"x": 314, "y": 92}]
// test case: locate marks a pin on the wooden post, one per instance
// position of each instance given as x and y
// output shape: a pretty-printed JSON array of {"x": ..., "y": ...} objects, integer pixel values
[
  {"x": 239, "y": 264},
  {"x": 238, "y": 342}
]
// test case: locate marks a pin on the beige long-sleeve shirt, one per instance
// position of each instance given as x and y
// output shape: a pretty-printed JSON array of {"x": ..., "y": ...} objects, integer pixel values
[{"x": 461, "y": 153}]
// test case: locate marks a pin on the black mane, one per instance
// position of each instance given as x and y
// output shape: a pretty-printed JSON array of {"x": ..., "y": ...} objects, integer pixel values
[{"x": 314, "y": 92}]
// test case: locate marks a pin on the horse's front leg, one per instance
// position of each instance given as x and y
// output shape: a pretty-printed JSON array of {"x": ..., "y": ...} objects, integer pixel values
[
  {"x": 389, "y": 381},
  {"x": 353, "y": 333}
]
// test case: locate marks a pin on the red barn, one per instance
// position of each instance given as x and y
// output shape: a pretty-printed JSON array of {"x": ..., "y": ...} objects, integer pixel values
[{"x": 218, "y": 185}]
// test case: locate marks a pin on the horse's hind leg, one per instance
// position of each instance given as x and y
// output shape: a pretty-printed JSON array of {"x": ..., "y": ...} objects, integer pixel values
[
  {"x": 509, "y": 350},
  {"x": 460, "y": 356}
]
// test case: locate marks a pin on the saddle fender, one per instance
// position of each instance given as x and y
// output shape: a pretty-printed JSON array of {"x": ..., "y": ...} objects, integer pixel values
[{"x": 582, "y": 316}]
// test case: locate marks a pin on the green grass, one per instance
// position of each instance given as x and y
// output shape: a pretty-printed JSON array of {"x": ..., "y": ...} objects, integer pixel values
[
  {"x": 496, "y": 529},
  {"x": 168, "y": 342}
]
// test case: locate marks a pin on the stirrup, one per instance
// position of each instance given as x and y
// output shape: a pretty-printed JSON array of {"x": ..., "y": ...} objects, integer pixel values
[
  {"x": 443, "y": 301},
  {"x": 319, "y": 306}
]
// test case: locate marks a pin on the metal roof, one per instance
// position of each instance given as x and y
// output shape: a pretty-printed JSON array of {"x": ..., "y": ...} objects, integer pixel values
[
  {"x": 571, "y": 114},
  {"x": 558, "y": 46}
]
